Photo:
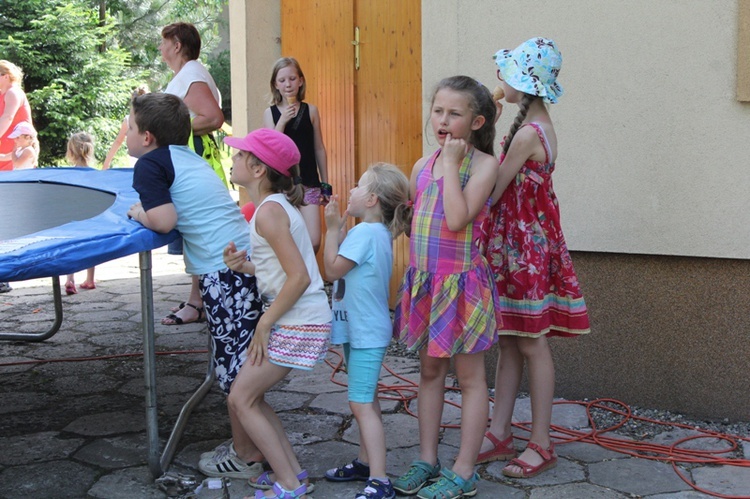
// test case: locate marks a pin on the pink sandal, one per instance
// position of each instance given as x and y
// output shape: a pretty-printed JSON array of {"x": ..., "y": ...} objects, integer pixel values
[
  {"x": 501, "y": 451},
  {"x": 549, "y": 461}
]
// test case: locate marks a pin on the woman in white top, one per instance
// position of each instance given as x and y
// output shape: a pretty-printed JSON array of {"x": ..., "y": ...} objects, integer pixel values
[{"x": 180, "y": 47}]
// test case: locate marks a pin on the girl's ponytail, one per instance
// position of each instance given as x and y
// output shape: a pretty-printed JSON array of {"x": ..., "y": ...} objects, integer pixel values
[
  {"x": 290, "y": 186},
  {"x": 391, "y": 187}
]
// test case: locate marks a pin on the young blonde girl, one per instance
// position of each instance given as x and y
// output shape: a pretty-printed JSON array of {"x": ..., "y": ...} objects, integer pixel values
[
  {"x": 26, "y": 147},
  {"x": 295, "y": 328},
  {"x": 447, "y": 300},
  {"x": 300, "y": 120},
  {"x": 80, "y": 153},
  {"x": 361, "y": 268},
  {"x": 539, "y": 292}
]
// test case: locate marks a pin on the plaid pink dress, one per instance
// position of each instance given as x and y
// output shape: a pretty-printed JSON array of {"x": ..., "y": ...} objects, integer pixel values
[{"x": 447, "y": 301}]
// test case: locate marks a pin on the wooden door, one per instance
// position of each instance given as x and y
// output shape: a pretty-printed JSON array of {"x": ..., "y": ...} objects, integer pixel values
[{"x": 368, "y": 114}]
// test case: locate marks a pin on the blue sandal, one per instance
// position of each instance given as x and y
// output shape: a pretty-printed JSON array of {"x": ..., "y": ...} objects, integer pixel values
[
  {"x": 350, "y": 472},
  {"x": 264, "y": 481},
  {"x": 281, "y": 493},
  {"x": 450, "y": 486},
  {"x": 420, "y": 473}
]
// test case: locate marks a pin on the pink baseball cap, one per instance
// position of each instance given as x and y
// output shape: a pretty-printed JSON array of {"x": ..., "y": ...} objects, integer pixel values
[
  {"x": 22, "y": 128},
  {"x": 270, "y": 146}
]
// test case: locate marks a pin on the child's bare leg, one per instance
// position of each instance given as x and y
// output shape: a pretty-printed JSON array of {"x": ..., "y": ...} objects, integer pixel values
[
  {"x": 372, "y": 436},
  {"x": 89, "y": 277},
  {"x": 507, "y": 381},
  {"x": 243, "y": 444},
  {"x": 247, "y": 403},
  {"x": 474, "y": 410},
  {"x": 541, "y": 371},
  {"x": 432, "y": 374}
]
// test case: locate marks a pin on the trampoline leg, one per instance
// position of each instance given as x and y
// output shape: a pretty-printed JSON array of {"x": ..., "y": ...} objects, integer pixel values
[
  {"x": 149, "y": 362},
  {"x": 57, "y": 298},
  {"x": 179, "y": 426}
]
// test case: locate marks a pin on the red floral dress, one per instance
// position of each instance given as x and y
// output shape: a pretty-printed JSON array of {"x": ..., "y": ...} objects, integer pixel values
[{"x": 525, "y": 247}]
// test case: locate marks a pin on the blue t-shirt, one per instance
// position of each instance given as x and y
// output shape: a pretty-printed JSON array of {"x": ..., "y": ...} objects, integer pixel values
[
  {"x": 207, "y": 217},
  {"x": 360, "y": 298}
]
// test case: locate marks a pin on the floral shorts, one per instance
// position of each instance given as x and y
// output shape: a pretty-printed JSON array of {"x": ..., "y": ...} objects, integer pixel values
[{"x": 233, "y": 307}]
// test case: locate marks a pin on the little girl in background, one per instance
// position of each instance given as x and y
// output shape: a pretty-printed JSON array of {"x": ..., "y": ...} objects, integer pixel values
[
  {"x": 289, "y": 113},
  {"x": 295, "y": 328},
  {"x": 80, "y": 153},
  {"x": 538, "y": 288},
  {"x": 361, "y": 268},
  {"x": 26, "y": 149},
  {"x": 448, "y": 300}
]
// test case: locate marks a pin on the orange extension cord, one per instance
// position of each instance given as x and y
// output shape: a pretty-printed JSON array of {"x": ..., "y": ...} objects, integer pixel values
[{"x": 408, "y": 391}]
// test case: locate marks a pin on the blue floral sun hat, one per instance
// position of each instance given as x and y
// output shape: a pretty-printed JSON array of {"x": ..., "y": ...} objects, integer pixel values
[{"x": 532, "y": 68}]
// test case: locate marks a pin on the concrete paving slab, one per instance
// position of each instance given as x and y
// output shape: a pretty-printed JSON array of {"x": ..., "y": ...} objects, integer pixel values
[
  {"x": 727, "y": 480},
  {"x": 636, "y": 476},
  {"x": 575, "y": 491},
  {"x": 58, "y": 479},
  {"x": 565, "y": 472},
  {"x": 37, "y": 447}
]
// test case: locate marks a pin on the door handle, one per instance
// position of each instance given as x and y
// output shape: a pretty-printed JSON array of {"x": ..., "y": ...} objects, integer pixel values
[{"x": 355, "y": 42}]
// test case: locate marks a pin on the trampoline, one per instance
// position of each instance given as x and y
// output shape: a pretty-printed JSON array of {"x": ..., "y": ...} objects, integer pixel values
[{"x": 57, "y": 221}]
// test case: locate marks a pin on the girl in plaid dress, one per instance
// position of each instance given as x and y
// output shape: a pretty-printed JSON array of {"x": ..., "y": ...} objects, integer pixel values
[{"x": 447, "y": 300}]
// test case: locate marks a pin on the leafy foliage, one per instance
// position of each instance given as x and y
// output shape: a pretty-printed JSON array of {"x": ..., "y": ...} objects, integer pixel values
[{"x": 82, "y": 58}]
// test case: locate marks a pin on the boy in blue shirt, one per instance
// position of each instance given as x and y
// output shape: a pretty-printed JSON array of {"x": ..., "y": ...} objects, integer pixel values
[{"x": 179, "y": 190}]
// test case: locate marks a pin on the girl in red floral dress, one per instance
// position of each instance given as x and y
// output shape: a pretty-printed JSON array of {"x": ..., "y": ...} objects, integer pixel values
[{"x": 538, "y": 288}]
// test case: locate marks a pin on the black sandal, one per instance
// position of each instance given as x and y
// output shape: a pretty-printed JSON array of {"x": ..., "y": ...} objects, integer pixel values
[{"x": 179, "y": 321}]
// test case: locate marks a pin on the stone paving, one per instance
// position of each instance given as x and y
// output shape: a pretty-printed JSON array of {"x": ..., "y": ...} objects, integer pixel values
[{"x": 77, "y": 429}]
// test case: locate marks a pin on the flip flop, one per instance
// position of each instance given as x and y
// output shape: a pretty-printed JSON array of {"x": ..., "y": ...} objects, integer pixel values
[
  {"x": 174, "y": 320},
  {"x": 85, "y": 285},
  {"x": 70, "y": 289}
]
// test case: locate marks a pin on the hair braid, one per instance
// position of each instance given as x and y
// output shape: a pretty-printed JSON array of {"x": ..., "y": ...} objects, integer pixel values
[{"x": 523, "y": 110}]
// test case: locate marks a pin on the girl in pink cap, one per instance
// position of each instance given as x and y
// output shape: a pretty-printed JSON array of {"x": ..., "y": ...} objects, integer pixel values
[
  {"x": 538, "y": 288},
  {"x": 294, "y": 330},
  {"x": 26, "y": 150}
]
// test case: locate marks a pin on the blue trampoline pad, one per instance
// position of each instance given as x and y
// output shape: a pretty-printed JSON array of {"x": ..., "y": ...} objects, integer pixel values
[
  {"x": 57, "y": 221},
  {"x": 31, "y": 207}
]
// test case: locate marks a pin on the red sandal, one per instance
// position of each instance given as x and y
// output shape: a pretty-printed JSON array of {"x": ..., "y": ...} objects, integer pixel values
[
  {"x": 501, "y": 451},
  {"x": 549, "y": 461}
]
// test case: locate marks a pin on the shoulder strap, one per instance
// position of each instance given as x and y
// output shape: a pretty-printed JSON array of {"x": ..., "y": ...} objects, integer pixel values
[
  {"x": 543, "y": 140},
  {"x": 300, "y": 114}
]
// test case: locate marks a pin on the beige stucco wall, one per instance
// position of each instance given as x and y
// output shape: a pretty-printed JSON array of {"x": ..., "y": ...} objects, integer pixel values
[
  {"x": 653, "y": 143},
  {"x": 255, "y": 41}
]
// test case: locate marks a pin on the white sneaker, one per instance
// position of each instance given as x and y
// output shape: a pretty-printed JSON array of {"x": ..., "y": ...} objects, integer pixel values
[
  {"x": 230, "y": 465},
  {"x": 218, "y": 453}
]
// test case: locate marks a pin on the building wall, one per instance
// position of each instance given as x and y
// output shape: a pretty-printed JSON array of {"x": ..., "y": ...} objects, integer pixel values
[{"x": 652, "y": 138}]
